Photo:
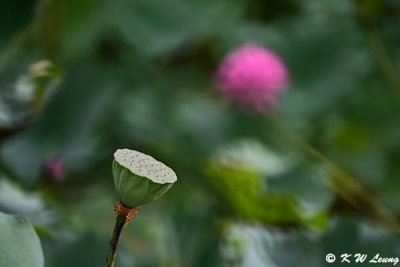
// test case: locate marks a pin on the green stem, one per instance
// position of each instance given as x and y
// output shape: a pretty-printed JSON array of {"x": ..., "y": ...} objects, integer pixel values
[
  {"x": 343, "y": 183},
  {"x": 119, "y": 227}
]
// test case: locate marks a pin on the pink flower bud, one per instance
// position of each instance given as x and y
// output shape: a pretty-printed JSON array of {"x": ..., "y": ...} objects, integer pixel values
[
  {"x": 53, "y": 169},
  {"x": 252, "y": 76}
]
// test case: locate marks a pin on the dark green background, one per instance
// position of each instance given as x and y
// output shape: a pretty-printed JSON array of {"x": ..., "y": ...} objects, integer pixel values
[{"x": 251, "y": 190}]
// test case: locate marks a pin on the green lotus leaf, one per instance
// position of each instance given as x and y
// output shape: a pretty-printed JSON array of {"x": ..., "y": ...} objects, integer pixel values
[
  {"x": 139, "y": 178},
  {"x": 19, "y": 244}
]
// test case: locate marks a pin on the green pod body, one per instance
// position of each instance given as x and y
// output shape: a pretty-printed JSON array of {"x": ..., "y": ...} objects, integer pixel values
[{"x": 140, "y": 179}]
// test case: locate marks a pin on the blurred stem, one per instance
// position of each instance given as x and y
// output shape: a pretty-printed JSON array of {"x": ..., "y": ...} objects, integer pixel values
[
  {"x": 344, "y": 184},
  {"x": 119, "y": 227},
  {"x": 388, "y": 69}
]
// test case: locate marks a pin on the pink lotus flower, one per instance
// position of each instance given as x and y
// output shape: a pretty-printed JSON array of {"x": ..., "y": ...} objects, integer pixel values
[{"x": 252, "y": 76}]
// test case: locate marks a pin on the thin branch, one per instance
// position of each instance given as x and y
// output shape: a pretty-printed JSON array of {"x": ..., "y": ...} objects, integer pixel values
[{"x": 344, "y": 184}]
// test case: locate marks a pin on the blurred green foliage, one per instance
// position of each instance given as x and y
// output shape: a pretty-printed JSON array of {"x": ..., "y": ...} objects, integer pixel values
[{"x": 140, "y": 75}]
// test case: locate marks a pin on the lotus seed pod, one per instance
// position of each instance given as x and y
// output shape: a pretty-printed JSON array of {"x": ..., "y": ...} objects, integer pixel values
[{"x": 139, "y": 178}]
